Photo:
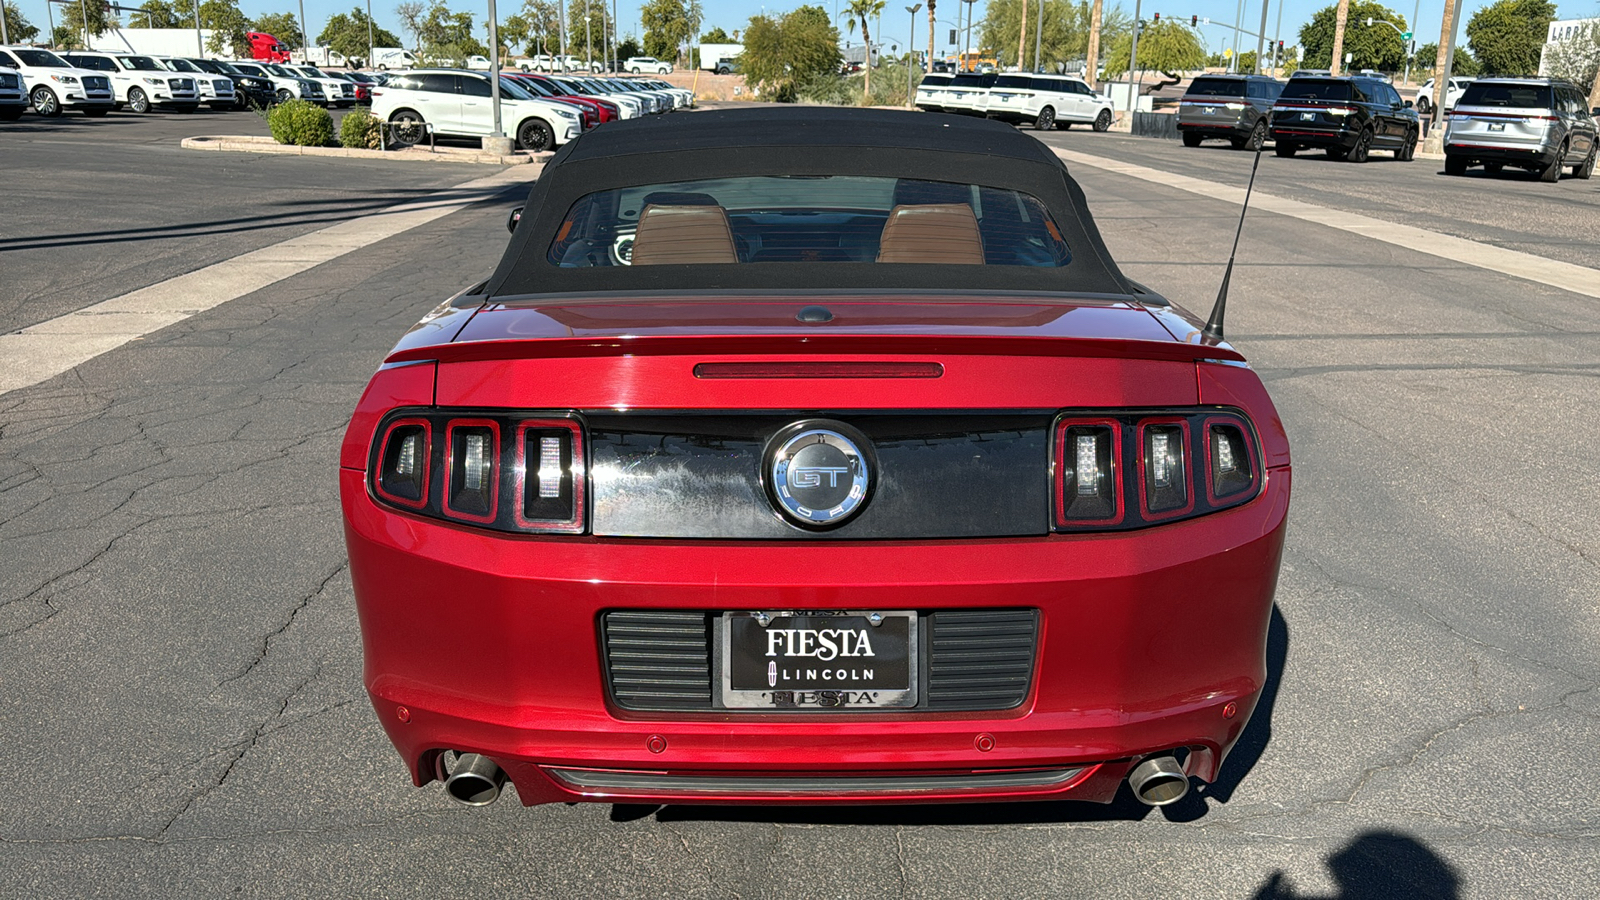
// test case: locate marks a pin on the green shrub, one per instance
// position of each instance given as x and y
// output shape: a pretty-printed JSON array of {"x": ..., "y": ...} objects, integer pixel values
[
  {"x": 359, "y": 131},
  {"x": 301, "y": 123}
]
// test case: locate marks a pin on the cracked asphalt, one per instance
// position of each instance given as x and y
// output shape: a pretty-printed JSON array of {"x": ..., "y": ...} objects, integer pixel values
[{"x": 180, "y": 687}]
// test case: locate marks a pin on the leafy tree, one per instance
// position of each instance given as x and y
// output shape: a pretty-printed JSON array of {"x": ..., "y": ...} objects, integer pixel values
[
  {"x": 593, "y": 44},
  {"x": 543, "y": 18},
  {"x": 1577, "y": 59},
  {"x": 1507, "y": 36},
  {"x": 1462, "y": 62},
  {"x": 18, "y": 28},
  {"x": 628, "y": 47},
  {"x": 410, "y": 13},
  {"x": 1165, "y": 46},
  {"x": 1374, "y": 46},
  {"x": 1065, "y": 36},
  {"x": 230, "y": 29},
  {"x": 781, "y": 54},
  {"x": 862, "y": 11},
  {"x": 346, "y": 34},
  {"x": 100, "y": 21},
  {"x": 286, "y": 28},
  {"x": 667, "y": 26},
  {"x": 449, "y": 36},
  {"x": 716, "y": 36},
  {"x": 160, "y": 14}
]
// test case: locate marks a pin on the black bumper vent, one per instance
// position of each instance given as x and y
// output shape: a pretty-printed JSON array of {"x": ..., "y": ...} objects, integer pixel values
[
  {"x": 659, "y": 659},
  {"x": 972, "y": 659},
  {"x": 980, "y": 658}
]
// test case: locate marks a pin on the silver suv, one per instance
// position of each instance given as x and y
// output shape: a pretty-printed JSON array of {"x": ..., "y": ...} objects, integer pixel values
[{"x": 1538, "y": 124}]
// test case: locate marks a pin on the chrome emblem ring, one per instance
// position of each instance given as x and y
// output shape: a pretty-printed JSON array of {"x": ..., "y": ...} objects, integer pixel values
[{"x": 817, "y": 476}]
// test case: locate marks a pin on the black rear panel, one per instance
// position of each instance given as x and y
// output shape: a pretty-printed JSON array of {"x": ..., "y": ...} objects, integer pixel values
[
  {"x": 659, "y": 659},
  {"x": 981, "y": 658}
]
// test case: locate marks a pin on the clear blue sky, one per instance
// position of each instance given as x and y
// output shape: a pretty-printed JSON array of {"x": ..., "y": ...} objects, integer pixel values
[{"x": 733, "y": 14}]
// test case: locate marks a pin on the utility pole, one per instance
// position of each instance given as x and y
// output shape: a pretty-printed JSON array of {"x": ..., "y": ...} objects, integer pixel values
[
  {"x": 5, "y": 38},
  {"x": 1238, "y": 20},
  {"x": 1261, "y": 38},
  {"x": 911, "y": 89},
  {"x": 1441, "y": 75},
  {"x": 1411, "y": 51},
  {"x": 305, "y": 36},
  {"x": 1022, "y": 36},
  {"x": 369, "y": 35},
  {"x": 496, "y": 142},
  {"x": 199, "y": 42},
  {"x": 1341, "y": 19},
  {"x": 1133, "y": 60},
  {"x": 966, "y": 53},
  {"x": 1277, "y": 38},
  {"x": 1091, "y": 63}
]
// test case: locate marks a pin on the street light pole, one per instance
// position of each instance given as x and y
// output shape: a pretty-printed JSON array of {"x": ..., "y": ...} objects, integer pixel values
[
  {"x": 496, "y": 137},
  {"x": 369, "y": 35},
  {"x": 1038, "y": 36},
  {"x": 5, "y": 38},
  {"x": 1261, "y": 38},
  {"x": 305, "y": 36},
  {"x": 199, "y": 42},
  {"x": 1133, "y": 57},
  {"x": 966, "y": 53},
  {"x": 911, "y": 88},
  {"x": 588, "y": 41}
]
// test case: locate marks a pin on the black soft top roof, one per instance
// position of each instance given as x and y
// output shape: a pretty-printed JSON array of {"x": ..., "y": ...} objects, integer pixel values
[{"x": 802, "y": 141}]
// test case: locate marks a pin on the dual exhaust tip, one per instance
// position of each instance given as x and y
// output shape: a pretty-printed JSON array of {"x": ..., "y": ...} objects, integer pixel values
[
  {"x": 477, "y": 780},
  {"x": 1159, "y": 781}
]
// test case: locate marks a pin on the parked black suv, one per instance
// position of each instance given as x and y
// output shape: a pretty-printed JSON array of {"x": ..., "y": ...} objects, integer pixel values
[
  {"x": 1233, "y": 107},
  {"x": 1346, "y": 116}
]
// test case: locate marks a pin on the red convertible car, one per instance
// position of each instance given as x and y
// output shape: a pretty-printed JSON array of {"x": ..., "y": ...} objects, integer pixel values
[{"x": 812, "y": 456}]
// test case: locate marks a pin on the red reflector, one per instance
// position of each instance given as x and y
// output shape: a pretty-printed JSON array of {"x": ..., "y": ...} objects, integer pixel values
[{"x": 818, "y": 370}]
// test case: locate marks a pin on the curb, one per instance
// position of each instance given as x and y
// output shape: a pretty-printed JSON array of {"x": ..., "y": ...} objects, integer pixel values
[{"x": 240, "y": 143}]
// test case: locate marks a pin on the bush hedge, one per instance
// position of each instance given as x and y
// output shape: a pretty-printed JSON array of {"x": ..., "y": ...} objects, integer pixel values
[
  {"x": 359, "y": 131},
  {"x": 301, "y": 123}
]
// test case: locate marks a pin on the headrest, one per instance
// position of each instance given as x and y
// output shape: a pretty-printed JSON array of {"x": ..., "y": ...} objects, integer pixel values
[
  {"x": 931, "y": 233},
  {"x": 678, "y": 235}
]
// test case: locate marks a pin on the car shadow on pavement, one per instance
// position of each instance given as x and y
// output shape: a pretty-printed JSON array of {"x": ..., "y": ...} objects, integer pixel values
[
  {"x": 1377, "y": 865},
  {"x": 1246, "y": 753}
]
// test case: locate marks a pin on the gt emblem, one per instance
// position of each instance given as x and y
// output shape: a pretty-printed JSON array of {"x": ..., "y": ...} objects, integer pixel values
[{"x": 816, "y": 475}]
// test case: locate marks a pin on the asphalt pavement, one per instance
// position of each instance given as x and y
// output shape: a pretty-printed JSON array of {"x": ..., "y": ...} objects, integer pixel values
[{"x": 180, "y": 694}]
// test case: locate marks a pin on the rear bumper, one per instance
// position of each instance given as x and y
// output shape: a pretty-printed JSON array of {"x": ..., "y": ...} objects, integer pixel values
[
  {"x": 1149, "y": 641},
  {"x": 1343, "y": 138},
  {"x": 1490, "y": 153}
]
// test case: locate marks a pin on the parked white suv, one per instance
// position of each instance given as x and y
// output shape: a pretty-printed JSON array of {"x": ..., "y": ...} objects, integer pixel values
[
  {"x": 214, "y": 90},
  {"x": 13, "y": 97},
  {"x": 1425, "y": 100},
  {"x": 288, "y": 86},
  {"x": 458, "y": 103},
  {"x": 139, "y": 82},
  {"x": 1048, "y": 101},
  {"x": 638, "y": 64},
  {"x": 339, "y": 92},
  {"x": 54, "y": 84}
]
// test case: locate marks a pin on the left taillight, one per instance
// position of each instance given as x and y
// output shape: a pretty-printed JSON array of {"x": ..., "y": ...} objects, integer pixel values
[
  {"x": 509, "y": 472},
  {"x": 1131, "y": 469}
]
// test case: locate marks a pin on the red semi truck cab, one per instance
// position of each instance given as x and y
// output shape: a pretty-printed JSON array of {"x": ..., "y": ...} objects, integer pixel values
[{"x": 265, "y": 47}]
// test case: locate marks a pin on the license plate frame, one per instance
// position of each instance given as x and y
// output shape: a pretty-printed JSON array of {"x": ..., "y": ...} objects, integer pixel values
[
  {"x": 847, "y": 693},
  {"x": 1497, "y": 126}
]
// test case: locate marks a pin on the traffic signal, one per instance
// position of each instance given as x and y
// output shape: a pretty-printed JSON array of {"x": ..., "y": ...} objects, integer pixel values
[
  {"x": 1280, "y": 46},
  {"x": 1194, "y": 21},
  {"x": 1157, "y": 18}
]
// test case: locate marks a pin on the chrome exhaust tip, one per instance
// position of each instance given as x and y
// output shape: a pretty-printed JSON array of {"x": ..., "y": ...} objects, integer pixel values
[
  {"x": 475, "y": 780},
  {"x": 1158, "y": 781}
]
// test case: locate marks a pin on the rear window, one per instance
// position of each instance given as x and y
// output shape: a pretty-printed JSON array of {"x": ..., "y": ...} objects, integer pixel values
[
  {"x": 1315, "y": 89},
  {"x": 936, "y": 80},
  {"x": 809, "y": 219},
  {"x": 1216, "y": 87},
  {"x": 1013, "y": 81},
  {"x": 1516, "y": 96}
]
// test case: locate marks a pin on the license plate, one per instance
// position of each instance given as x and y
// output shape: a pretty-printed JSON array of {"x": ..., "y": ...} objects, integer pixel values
[
  {"x": 800, "y": 660},
  {"x": 1497, "y": 126},
  {"x": 1308, "y": 117},
  {"x": 1208, "y": 110}
]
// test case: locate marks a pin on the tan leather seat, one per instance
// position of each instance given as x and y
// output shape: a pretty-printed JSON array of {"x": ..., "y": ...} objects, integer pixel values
[
  {"x": 678, "y": 235},
  {"x": 932, "y": 233}
]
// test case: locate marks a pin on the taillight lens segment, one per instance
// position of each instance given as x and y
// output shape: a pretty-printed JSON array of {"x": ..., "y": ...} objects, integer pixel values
[
  {"x": 507, "y": 472},
  {"x": 1168, "y": 455}
]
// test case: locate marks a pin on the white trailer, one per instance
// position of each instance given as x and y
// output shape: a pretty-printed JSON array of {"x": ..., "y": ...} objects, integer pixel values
[
  {"x": 719, "y": 57},
  {"x": 319, "y": 56},
  {"x": 156, "y": 42},
  {"x": 392, "y": 58}
]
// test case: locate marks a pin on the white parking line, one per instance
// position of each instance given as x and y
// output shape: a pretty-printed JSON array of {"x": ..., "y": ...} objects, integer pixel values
[
  {"x": 1566, "y": 276},
  {"x": 45, "y": 350}
]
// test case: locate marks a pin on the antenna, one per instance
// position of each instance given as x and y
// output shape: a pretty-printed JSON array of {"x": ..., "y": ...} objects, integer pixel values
[{"x": 1213, "y": 327}]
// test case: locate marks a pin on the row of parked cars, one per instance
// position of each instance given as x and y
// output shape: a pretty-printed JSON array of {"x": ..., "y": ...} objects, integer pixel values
[
  {"x": 1044, "y": 101},
  {"x": 1543, "y": 125},
  {"x": 541, "y": 112},
  {"x": 94, "y": 83}
]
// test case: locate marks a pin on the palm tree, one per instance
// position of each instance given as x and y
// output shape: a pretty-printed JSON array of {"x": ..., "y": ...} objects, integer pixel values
[
  {"x": 930, "y": 34},
  {"x": 863, "y": 11}
]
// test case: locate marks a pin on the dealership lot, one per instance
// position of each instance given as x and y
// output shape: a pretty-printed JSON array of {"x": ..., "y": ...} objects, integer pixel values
[{"x": 182, "y": 666}]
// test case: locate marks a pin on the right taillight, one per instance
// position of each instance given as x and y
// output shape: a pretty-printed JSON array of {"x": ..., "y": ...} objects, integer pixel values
[{"x": 1130, "y": 469}]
